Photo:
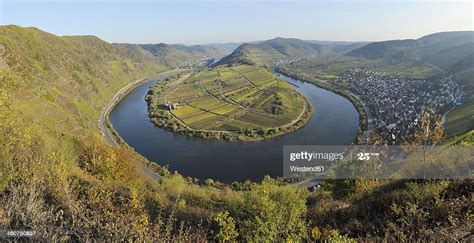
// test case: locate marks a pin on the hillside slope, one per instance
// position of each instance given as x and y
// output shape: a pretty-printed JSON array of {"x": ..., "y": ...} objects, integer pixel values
[
  {"x": 51, "y": 77},
  {"x": 175, "y": 54},
  {"x": 449, "y": 51},
  {"x": 274, "y": 50},
  {"x": 57, "y": 175}
]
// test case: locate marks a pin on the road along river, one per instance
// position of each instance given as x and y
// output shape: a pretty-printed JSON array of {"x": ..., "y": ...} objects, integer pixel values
[{"x": 334, "y": 122}]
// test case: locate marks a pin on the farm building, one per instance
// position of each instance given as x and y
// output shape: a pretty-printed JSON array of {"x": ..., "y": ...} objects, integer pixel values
[{"x": 172, "y": 106}]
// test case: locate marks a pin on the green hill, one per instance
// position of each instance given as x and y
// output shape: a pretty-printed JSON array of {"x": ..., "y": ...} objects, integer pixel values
[
  {"x": 60, "y": 82},
  {"x": 230, "y": 47},
  {"x": 340, "y": 46},
  {"x": 345, "y": 48},
  {"x": 395, "y": 50},
  {"x": 178, "y": 54},
  {"x": 450, "y": 51},
  {"x": 273, "y": 51},
  {"x": 52, "y": 158}
]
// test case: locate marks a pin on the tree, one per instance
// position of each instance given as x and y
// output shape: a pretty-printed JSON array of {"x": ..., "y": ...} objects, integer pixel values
[
  {"x": 209, "y": 182},
  {"x": 428, "y": 132},
  {"x": 226, "y": 224},
  {"x": 337, "y": 237},
  {"x": 271, "y": 213}
]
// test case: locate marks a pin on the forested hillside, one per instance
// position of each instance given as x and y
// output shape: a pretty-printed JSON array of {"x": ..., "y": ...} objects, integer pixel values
[
  {"x": 177, "y": 54},
  {"x": 60, "y": 82},
  {"x": 57, "y": 175}
]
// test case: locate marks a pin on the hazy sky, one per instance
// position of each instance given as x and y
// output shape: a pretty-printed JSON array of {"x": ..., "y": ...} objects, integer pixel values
[{"x": 207, "y": 21}]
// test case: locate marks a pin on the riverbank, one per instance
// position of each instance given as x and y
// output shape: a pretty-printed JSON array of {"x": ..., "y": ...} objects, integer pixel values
[
  {"x": 105, "y": 126},
  {"x": 364, "y": 126},
  {"x": 150, "y": 169}
]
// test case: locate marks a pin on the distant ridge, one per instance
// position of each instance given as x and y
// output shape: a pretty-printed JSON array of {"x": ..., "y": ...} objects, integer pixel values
[
  {"x": 452, "y": 52},
  {"x": 274, "y": 50},
  {"x": 175, "y": 54},
  {"x": 230, "y": 47},
  {"x": 340, "y": 46}
]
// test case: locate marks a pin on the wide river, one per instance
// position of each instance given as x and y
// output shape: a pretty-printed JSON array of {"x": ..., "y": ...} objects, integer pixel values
[{"x": 334, "y": 122}]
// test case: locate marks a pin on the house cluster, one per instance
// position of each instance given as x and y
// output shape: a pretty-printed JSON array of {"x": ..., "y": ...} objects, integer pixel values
[{"x": 396, "y": 103}]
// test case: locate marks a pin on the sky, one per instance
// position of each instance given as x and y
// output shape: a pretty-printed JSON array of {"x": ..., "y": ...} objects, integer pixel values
[{"x": 212, "y": 21}]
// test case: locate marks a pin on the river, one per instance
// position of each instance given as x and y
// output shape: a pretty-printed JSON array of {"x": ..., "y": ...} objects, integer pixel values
[{"x": 335, "y": 122}]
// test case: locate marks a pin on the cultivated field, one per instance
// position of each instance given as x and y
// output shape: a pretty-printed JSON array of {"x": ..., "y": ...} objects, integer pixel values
[{"x": 230, "y": 99}]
